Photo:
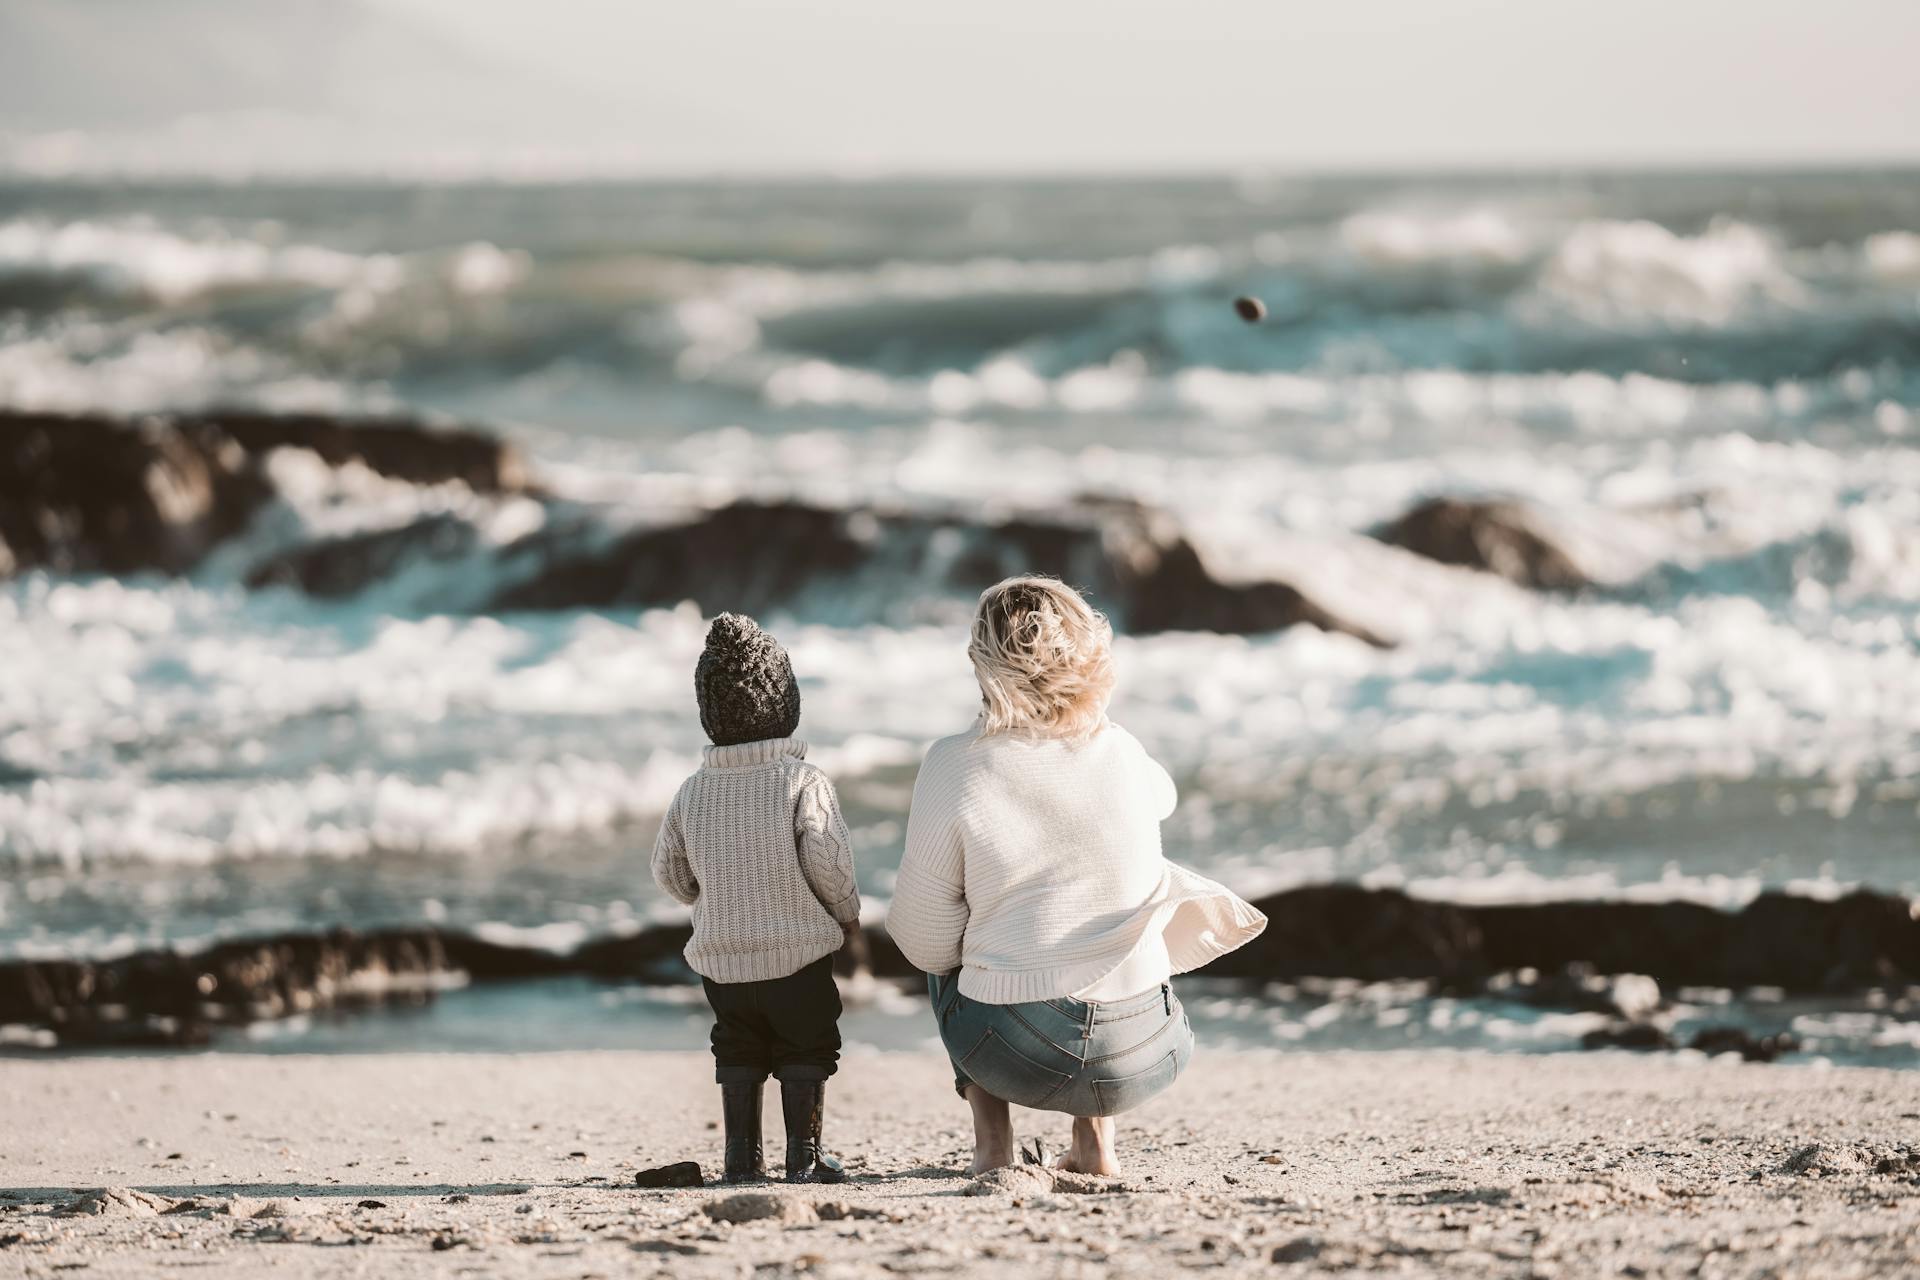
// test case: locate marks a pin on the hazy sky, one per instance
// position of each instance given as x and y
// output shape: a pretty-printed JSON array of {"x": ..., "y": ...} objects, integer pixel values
[
  {"x": 886, "y": 85},
  {"x": 1039, "y": 83}
]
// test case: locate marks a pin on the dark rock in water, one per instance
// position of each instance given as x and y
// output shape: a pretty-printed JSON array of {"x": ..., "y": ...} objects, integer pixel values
[
  {"x": 1159, "y": 582},
  {"x": 90, "y": 495},
  {"x": 399, "y": 448},
  {"x": 747, "y": 557},
  {"x": 102, "y": 495},
  {"x": 1627, "y": 1035},
  {"x": 1862, "y": 940},
  {"x": 1609, "y": 956},
  {"x": 758, "y": 556},
  {"x": 1500, "y": 537},
  {"x": 168, "y": 998},
  {"x": 485, "y": 961},
  {"x": 854, "y": 956},
  {"x": 684, "y": 1174},
  {"x": 653, "y": 955},
  {"x": 1717, "y": 1040},
  {"x": 339, "y": 567},
  {"x": 1344, "y": 931},
  {"x": 884, "y": 959},
  {"x": 296, "y": 973},
  {"x": 1675, "y": 943}
]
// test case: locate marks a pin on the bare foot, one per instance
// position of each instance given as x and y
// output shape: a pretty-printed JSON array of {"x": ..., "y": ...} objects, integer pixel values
[
  {"x": 992, "y": 1131},
  {"x": 1092, "y": 1149}
]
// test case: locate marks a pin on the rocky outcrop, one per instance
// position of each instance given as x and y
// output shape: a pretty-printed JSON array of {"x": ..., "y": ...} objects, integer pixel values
[
  {"x": 339, "y": 567},
  {"x": 1607, "y": 957},
  {"x": 1506, "y": 538},
  {"x": 757, "y": 556},
  {"x": 166, "y": 997},
  {"x": 747, "y": 557},
  {"x": 1344, "y": 931},
  {"x": 90, "y": 494},
  {"x": 100, "y": 495},
  {"x": 86, "y": 495},
  {"x": 398, "y": 448},
  {"x": 1861, "y": 941},
  {"x": 652, "y": 955}
]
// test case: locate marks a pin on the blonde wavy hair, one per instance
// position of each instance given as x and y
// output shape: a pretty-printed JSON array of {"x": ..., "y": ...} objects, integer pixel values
[{"x": 1044, "y": 659}]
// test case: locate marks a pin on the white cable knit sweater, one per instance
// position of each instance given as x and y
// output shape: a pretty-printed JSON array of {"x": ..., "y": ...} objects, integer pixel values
[
  {"x": 1033, "y": 865},
  {"x": 755, "y": 843}
]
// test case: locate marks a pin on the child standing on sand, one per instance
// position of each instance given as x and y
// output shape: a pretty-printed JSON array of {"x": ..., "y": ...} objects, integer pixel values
[{"x": 754, "y": 842}]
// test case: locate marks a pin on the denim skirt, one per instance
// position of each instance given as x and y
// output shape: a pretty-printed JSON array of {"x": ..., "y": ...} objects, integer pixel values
[{"x": 1065, "y": 1055}]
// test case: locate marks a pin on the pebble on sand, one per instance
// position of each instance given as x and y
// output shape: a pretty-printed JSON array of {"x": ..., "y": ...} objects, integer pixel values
[
  {"x": 1250, "y": 308},
  {"x": 686, "y": 1173}
]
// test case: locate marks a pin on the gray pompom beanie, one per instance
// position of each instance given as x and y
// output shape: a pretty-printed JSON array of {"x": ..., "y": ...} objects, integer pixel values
[{"x": 745, "y": 684}]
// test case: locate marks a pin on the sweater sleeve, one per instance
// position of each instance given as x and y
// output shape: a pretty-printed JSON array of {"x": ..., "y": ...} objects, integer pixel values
[
  {"x": 928, "y": 919},
  {"x": 826, "y": 850},
  {"x": 671, "y": 869}
]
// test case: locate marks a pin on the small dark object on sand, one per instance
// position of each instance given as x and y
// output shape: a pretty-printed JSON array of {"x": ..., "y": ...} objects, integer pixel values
[
  {"x": 684, "y": 1174},
  {"x": 1250, "y": 308},
  {"x": 373, "y": 1204},
  {"x": 1299, "y": 1249}
]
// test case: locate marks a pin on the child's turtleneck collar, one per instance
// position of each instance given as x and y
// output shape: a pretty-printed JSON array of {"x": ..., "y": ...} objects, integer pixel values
[{"x": 765, "y": 751}]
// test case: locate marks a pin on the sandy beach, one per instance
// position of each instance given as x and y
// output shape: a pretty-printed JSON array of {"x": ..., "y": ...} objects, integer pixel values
[{"x": 1402, "y": 1163}]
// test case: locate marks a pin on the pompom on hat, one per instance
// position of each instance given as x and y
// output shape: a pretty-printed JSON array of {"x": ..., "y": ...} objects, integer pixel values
[{"x": 745, "y": 684}]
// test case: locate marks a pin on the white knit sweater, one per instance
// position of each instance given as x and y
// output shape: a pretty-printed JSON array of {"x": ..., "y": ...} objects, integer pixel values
[
  {"x": 755, "y": 842},
  {"x": 1033, "y": 865}
]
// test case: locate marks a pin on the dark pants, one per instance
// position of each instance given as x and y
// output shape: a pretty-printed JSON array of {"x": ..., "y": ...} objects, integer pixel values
[{"x": 787, "y": 1027}]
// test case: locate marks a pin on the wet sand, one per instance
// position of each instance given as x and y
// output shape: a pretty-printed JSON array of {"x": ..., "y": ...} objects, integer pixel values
[{"x": 1257, "y": 1162}]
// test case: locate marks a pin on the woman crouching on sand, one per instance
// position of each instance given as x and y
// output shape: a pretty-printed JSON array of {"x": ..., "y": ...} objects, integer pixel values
[{"x": 1034, "y": 894}]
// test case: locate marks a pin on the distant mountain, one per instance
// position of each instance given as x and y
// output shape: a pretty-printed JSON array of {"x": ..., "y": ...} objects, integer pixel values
[
  {"x": 93, "y": 63},
  {"x": 297, "y": 86}
]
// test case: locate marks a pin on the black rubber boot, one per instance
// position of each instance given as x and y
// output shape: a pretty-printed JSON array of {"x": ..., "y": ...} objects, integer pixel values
[
  {"x": 740, "y": 1111},
  {"x": 805, "y": 1102}
]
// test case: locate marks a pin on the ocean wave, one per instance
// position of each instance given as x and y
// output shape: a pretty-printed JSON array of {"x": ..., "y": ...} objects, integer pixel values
[
  {"x": 1396, "y": 240},
  {"x": 1387, "y": 292},
  {"x": 82, "y": 367},
  {"x": 138, "y": 256},
  {"x": 1364, "y": 404},
  {"x": 190, "y": 723},
  {"x": 1643, "y": 272}
]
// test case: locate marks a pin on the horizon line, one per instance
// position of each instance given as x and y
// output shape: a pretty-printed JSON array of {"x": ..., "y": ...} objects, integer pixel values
[{"x": 854, "y": 175}]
